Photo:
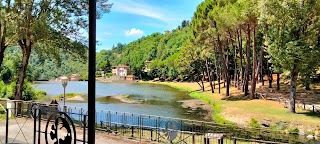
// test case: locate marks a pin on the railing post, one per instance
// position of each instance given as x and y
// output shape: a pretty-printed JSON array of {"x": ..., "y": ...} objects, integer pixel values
[
  {"x": 151, "y": 135},
  {"x": 84, "y": 128},
  {"x": 34, "y": 125},
  {"x": 158, "y": 135},
  {"x": 132, "y": 131},
  {"x": 140, "y": 127},
  {"x": 116, "y": 128},
  {"x": 7, "y": 125},
  {"x": 39, "y": 126}
]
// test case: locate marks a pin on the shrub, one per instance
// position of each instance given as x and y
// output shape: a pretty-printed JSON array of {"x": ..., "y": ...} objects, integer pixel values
[
  {"x": 254, "y": 123},
  {"x": 294, "y": 131}
]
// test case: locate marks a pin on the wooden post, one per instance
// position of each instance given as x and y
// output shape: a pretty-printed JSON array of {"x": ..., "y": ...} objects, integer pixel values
[
  {"x": 313, "y": 108},
  {"x": 193, "y": 139},
  {"x": 278, "y": 81}
]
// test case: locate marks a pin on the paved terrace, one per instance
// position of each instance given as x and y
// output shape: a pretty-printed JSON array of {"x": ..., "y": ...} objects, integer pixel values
[{"x": 26, "y": 133}]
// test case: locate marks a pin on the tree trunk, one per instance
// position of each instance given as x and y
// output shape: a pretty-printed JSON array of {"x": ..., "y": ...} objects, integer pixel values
[
  {"x": 246, "y": 82},
  {"x": 235, "y": 67},
  {"x": 241, "y": 66},
  {"x": 254, "y": 66},
  {"x": 292, "y": 96},
  {"x": 212, "y": 79},
  {"x": 278, "y": 82},
  {"x": 3, "y": 30},
  {"x": 262, "y": 54},
  {"x": 26, "y": 49},
  {"x": 227, "y": 77},
  {"x": 209, "y": 76},
  {"x": 2, "y": 49},
  {"x": 224, "y": 64},
  {"x": 269, "y": 76},
  {"x": 217, "y": 71},
  {"x": 203, "y": 78},
  {"x": 2, "y": 43}
]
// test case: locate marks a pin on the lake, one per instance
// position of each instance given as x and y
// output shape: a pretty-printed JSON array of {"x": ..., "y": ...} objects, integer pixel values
[{"x": 159, "y": 100}]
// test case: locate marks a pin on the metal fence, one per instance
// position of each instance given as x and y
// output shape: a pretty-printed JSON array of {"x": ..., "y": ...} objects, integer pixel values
[
  {"x": 147, "y": 128},
  {"x": 173, "y": 130},
  {"x": 44, "y": 124}
]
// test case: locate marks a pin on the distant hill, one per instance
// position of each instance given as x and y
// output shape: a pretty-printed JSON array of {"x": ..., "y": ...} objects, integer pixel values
[{"x": 161, "y": 48}]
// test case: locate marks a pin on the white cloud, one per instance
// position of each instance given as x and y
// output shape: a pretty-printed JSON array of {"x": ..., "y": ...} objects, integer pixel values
[
  {"x": 142, "y": 9},
  {"x": 107, "y": 33},
  {"x": 134, "y": 32}
]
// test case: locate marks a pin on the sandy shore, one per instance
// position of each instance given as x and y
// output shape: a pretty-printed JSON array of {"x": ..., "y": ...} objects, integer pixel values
[
  {"x": 76, "y": 98},
  {"x": 120, "y": 99}
]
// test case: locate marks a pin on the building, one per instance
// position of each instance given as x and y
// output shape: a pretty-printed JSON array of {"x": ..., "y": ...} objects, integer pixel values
[
  {"x": 75, "y": 77},
  {"x": 146, "y": 66},
  {"x": 167, "y": 32},
  {"x": 121, "y": 70},
  {"x": 130, "y": 77}
]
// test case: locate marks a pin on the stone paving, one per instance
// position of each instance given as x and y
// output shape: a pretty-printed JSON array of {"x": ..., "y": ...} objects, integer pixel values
[{"x": 25, "y": 135}]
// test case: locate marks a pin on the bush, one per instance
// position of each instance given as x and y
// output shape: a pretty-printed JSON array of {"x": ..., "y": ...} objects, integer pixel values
[
  {"x": 108, "y": 75},
  {"x": 294, "y": 131},
  {"x": 254, "y": 123},
  {"x": 29, "y": 93},
  {"x": 84, "y": 77}
]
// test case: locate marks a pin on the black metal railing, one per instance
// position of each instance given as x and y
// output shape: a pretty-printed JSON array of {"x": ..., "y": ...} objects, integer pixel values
[
  {"x": 44, "y": 124},
  {"x": 147, "y": 128},
  {"x": 173, "y": 130}
]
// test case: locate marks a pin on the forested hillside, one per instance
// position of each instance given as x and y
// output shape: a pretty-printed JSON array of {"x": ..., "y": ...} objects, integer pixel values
[
  {"x": 43, "y": 68},
  {"x": 161, "y": 48}
]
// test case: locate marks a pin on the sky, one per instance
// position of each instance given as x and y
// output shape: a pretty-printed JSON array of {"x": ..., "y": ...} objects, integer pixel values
[{"x": 129, "y": 20}]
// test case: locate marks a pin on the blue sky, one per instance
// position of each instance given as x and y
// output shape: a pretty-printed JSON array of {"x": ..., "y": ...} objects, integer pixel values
[{"x": 132, "y": 19}]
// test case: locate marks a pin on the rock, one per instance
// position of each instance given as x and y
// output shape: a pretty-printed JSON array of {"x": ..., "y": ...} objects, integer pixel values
[
  {"x": 310, "y": 137},
  {"x": 286, "y": 131},
  {"x": 316, "y": 133},
  {"x": 301, "y": 132},
  {"x": 264, "y": 124}
]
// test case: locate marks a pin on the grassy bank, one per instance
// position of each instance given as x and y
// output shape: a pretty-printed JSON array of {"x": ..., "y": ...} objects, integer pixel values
[
  {"x": 215, "y": 106},
  {"x": 243, "y": 112}
]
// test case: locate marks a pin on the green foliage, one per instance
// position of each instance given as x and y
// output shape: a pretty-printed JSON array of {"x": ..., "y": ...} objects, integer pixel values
[
  {"x": 294, "y": 131},
  {"x": 84, "y": 77},
  {"x": 41, "y": 69},
  {"x": 254, "y": 123},
  {"x": 108, "y": 75},
  {"x": 162, "y": 49},
  {"x": 29, "y": 93}
]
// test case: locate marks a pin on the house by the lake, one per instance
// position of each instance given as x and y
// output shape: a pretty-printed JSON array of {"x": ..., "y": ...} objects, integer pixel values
[
  {"x": 130, "y": 77},
  {"x": 120, "y": 70},
  {"x": 146, "y": 66}
]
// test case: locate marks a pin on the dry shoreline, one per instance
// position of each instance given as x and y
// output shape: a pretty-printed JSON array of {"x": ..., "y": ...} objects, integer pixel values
[{"x": 241, "y": 112}]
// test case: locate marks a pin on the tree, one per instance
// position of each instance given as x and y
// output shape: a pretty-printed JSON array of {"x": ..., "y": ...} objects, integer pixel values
[
  {"x": 47, "y": 27},
  {"x": 293, "y": 37},
  {"x": 6, "y": 32}
]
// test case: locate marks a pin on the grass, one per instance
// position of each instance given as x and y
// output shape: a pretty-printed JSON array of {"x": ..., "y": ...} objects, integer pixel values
[{"x": 241, "y": 111}]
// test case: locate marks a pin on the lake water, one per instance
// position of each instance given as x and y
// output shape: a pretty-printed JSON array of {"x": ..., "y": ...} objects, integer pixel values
[{"x": 158, "y": 100}]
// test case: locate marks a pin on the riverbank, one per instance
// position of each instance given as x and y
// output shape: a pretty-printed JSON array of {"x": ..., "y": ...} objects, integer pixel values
[{"x": 250, "y": 112}]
